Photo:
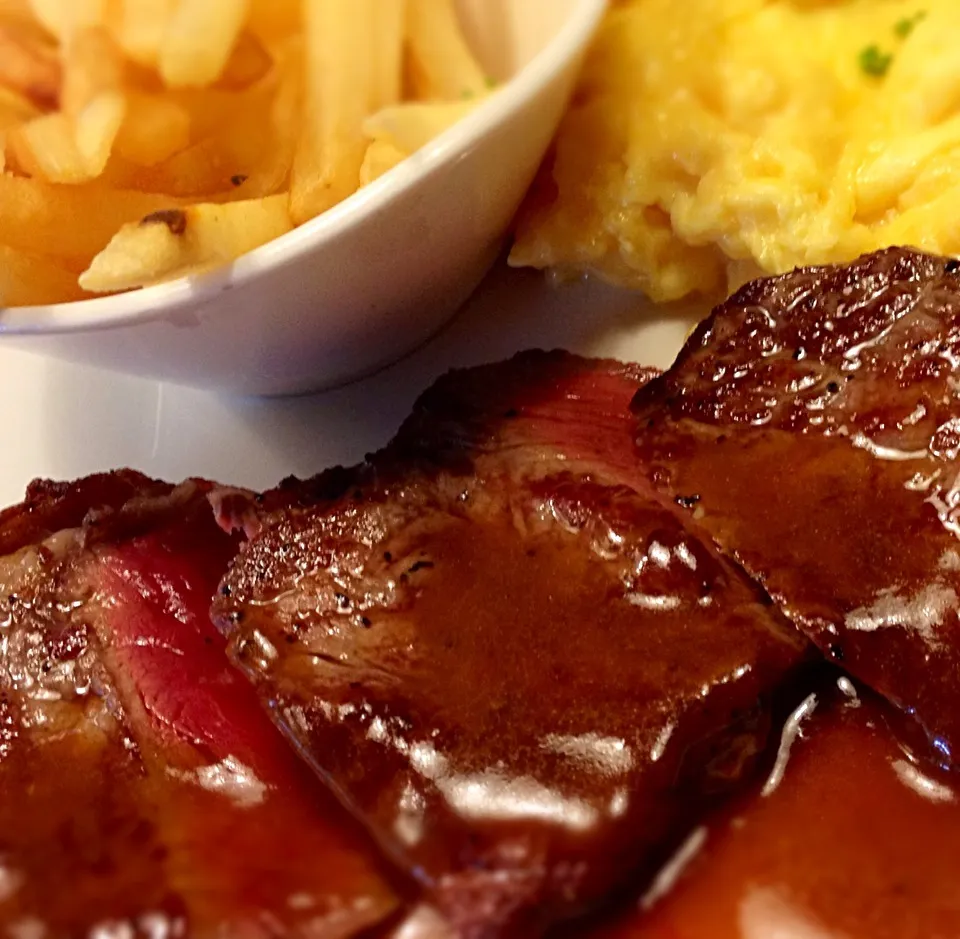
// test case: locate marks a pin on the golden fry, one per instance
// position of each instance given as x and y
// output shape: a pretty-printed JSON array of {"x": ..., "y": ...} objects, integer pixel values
[
  {"x": 140, "y": 28},
  {"x": 47, "y": 149},
  {"x": 271, "y": 20},
  {"x": 248, "y": 63},
  {"x": 15, "y": 109},
  {"x": 177, "y": 242},
  {"x": 95, "y": 129},
  {"x": 62, "y": 17},
  {"x": 409, "y": 126},
  {"x": 388, "y": 37},
  {"x": 57, "y": 149},
  {"x": 153, "y": 130},
  {"x": 271, "y": 173},
  {"x": 381, "y": 156},
  {"x": 339, "y": 83},
  {"x": 27, "y": 279},
  {"x": 199, "y": 39},
  {"x": 92, "y": 65},
  {"x": 262, "y": 113},
  {"x": 440, "y": 63},
  {"x": 71, "y": 222},
  {"x": 29, "y": 66},
  {"x": 218, "y": 163}
]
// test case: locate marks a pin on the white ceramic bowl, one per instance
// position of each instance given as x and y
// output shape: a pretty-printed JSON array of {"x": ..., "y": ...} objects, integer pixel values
[{"x": 374, "y": 277}]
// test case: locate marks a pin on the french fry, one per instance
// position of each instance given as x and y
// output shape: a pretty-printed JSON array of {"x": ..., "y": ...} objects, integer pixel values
[
  {"x": 47, "y": 149},
  {"x": 409, "y": 126},
  {"x": 68, "y": 222},
  {"x": 16, "y": 11},
  {"x": 259, "y": 113},
  {"x": 29, "y": 66},
  {"x": 174, "y": 243},
  {"x": 440, "y": 63},
  {"x": 60, "y": 150},
  {"x": 15, "y": 109},
  {"x": 28, "y": 279},
  {"x": 271, "y": 20},
  {"x": 340, "y": 76},
  {"x": 62, "y": 17},
  {"x": 199, "y": 39},
  {"x": 388, "y": 33},
  {"x": 248, "y": 63},
  {"x": 272, "y": 173},
  {"x": 223, "y": 159},
  {"x": 153, "y": 130},
  {"x": 140, "y": 28},
  {"x": 95, "y": 129},
  {"x": 381, "y": 156},
  {"x": 92, "y": 65}
]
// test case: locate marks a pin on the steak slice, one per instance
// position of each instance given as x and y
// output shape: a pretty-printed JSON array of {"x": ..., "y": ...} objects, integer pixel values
[
  {"x": 518, "y": 667},
  {"x": 813, "y": 421},
  {"x": 143, "y": 792},
  {"x": 849, "y": 837}
]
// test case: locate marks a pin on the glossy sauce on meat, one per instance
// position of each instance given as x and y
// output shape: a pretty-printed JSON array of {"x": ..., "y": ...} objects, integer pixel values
[
  {"x": 135, "y": 764},
  {"x": 524, "y": 674},
  {"x": 812, "y": 423},
  {"x": 850, "y": 838}
]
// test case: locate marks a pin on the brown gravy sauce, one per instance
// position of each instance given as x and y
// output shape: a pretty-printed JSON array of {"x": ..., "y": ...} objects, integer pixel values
[{"x": 848, "y": 838}]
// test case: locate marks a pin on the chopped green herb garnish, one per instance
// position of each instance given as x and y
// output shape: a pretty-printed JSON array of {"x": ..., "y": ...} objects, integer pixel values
[
  {"x": 491, "y": 82},
  {"x": 874, "y": 62},
  {"x": 904, "y": 27}
]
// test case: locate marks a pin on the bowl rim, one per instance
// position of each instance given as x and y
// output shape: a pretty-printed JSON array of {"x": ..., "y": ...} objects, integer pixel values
[{"x": 161, "y": 300}]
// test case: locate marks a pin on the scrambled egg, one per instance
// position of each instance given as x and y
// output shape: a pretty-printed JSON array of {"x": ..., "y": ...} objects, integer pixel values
[{"x": 710, "y": 140}]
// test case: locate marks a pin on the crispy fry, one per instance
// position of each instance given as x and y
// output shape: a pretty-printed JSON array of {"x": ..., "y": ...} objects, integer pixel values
[
  {"x": 153, "y": 130},
  {"x": 263, "y": 112},
  {"x": 248, "y": 63},
  {"x": 272, "y": 173},
  {"x": 95, "y": 129},
  {"x": 62, "y": 17},
  {"x": 271, "y": 20},
  {"x": 439, "y": 61},
  {"x": 71, "y": 222},
  {"x": 16, "y": 11},
  {"x": 92, "y": 65},
  {"x": 235, "y": 148},
  {"x": 388, "y": 33},
  {"x": 409, "y": 126},
  {"x": 60, "y": 150},
  {"x": 29, "y": 66},
  {"x": 199, "y": 39},
  {"x": 27, "y": 279},
  {"x": 140, "y": 28},
  {"x": 340, "y": 76},
  {"x": 15, "y": 109},
  {"x": 183, "y": 241},
  {"x": 47, "y": 148},
  {"x": 381, "y": 155}
]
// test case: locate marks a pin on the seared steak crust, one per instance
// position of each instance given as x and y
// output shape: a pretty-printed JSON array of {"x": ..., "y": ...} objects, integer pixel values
[
  {"x": 521, "y": 669},
  {"x": 813, "y": 425},
  {"x": 142, "y": 790}
]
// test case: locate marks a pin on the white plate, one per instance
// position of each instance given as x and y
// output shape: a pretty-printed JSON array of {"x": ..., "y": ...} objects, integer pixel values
[{"x": 62, "y": 421}]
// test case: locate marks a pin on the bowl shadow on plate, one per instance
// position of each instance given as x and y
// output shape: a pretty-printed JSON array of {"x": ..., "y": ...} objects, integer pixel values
[
  {"x": 511, "y": 311},
  {"x": 257, "y": 441}
]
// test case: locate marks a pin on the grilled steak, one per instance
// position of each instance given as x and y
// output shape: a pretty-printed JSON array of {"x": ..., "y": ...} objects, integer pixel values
[
  {"x": 142, "y": 790},
  {"x": 813, "y": 424},
  {"x": 522, "y": 670}
]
